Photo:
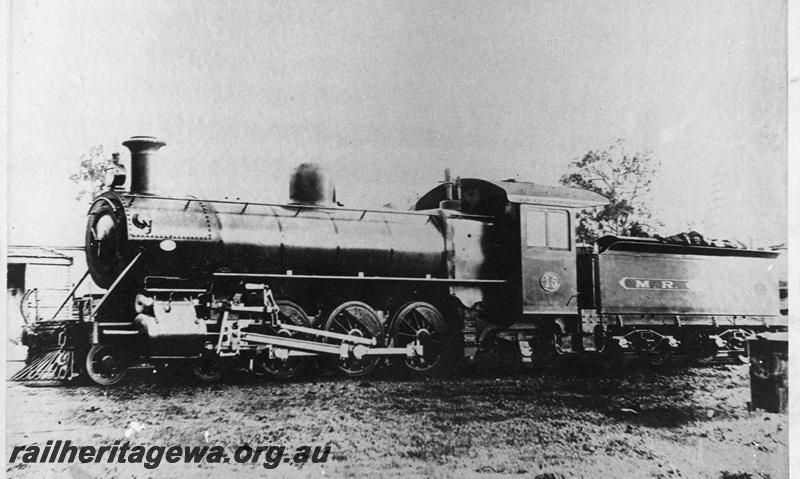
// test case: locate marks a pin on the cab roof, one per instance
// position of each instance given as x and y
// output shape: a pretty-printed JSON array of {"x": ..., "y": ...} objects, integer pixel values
[{"x": 490, "y": 197}]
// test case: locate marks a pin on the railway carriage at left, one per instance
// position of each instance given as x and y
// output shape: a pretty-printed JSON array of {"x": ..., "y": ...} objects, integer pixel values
[{"x": 272, "y": 287}]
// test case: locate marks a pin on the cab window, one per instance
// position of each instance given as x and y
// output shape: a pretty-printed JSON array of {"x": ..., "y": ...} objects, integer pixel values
[{"x": 547, "y": 229}]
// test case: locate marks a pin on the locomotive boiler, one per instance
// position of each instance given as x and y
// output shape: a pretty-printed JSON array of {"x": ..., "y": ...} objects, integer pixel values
[{"x": 272, "y": 287}]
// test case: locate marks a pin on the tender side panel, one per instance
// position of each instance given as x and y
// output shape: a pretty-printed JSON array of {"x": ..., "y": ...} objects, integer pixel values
[{"x": 650, "y": 283}]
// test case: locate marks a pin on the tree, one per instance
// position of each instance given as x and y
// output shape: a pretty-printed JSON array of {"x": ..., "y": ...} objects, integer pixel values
[
  {"x": 622, "y": 178},
  {"x": 91, "y": 173}
]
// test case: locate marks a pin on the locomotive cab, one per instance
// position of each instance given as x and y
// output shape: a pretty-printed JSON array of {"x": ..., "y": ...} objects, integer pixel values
[{"x": 534, "y": 240}]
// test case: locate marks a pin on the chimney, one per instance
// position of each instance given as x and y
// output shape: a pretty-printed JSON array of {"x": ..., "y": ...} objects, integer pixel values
[{"x": 143, "y": 151}]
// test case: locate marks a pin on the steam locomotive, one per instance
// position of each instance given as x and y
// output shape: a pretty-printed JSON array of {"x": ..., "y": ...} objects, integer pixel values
[{"x": 477, "y": 264}]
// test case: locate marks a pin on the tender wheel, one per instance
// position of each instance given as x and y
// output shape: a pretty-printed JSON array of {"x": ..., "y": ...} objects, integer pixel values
[
  {"x": 701, "y": 348},
  {"x": 659, "y": 357},
  {"x": 104, "y": 365},
  {"x": 421, "y": 322},
  {"x": 738, "y": 341},
  {"x": 355, "y": 318},
  {"x": 290, "y": 313},
  {"x": 207, "y": 368}
]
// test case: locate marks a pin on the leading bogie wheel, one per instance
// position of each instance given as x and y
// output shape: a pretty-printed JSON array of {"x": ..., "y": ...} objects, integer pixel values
[
  {"x": 420, "y": 323},
  {"x": 105, "y": 365},
  {"x": 207, "y": 367},
  {"x": 355, "y": 318}
]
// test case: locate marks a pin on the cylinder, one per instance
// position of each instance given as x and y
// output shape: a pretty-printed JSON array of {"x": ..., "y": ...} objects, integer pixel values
[{"x": 143, "y": 151}]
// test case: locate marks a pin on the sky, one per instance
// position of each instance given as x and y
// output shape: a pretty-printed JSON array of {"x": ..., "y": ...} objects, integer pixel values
[{"x": 386, "y": 95}]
